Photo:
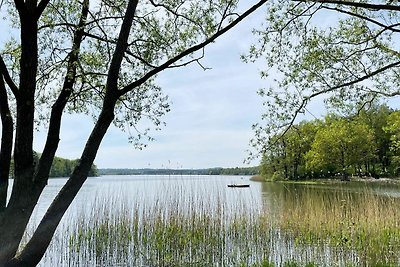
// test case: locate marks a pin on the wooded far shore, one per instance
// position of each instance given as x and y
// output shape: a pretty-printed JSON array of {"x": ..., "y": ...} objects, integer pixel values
[{"x": 208, "y": 171}]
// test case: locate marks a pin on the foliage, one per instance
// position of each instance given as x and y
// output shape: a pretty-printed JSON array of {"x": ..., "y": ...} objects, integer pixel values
[
  {"x": 352, "y": 145},
  {"x": 285, "y": 158},
  {"x": 62, "y": 167},
  {"x": 393, "y": 129},
  {"x": 341, "y": 54},
  {"x": 340, "y": 145},
  {"x": 212, "y": 171}
]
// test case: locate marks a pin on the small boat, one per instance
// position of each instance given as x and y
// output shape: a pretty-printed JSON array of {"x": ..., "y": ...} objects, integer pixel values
[{"x": 238, "y": 185}]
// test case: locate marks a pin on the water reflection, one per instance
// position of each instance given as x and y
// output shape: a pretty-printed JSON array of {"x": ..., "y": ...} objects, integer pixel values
[
  {"x": 335, "y": 224},
  {"x": 275, "y": 195},
  {"x": 148, "y": 190}
]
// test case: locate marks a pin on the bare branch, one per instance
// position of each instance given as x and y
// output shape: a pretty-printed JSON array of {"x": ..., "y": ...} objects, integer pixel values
[{"x": 56, "y": 25}]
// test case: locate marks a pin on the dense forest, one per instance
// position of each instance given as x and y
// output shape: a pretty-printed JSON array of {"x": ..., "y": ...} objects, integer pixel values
[
  {"x": 366, "y": 143},
  {"x": 210, "y": 171},
  {"x": 63, "y": 167}
]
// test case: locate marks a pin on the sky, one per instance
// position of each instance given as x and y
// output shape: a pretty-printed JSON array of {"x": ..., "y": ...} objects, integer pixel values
[
  {"x": 209, "y": 124},
  {"x": 211, "y": 115}
]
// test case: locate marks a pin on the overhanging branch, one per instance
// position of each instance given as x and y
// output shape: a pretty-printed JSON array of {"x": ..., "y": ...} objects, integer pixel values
[
  {"x": 386, "y": 27},
  {"x": 375, "y": 7},
  {"x": 190, "y": 50},
  {"x": 306, "y": 99}
]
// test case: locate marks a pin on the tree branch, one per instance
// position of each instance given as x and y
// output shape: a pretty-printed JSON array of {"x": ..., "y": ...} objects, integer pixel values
[
  {"x": 121, "y": 46},
  {"x": 19, "y": 4},
  {"x": 41, "y": 6},
  {"x": 386, "y": 27},
  {"x": 376, "y": 7},
  {"x": 7, "y": 78},
  {"x": 53, "y": 135},
  {"x": 189, "y": 51},
  {"x": 305, "y": 100}
]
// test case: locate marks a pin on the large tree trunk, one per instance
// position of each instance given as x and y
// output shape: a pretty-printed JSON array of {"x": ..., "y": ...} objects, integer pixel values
[
  {"x": 29, "y": 186},
  {"x": 37, "y": 245},
  {"x": 24, "y": 195}
]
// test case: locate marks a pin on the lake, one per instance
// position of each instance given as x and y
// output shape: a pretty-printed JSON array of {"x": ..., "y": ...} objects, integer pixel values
[
  {"x": 146, "y": 190},
  {"x": 274, "y": 223}
]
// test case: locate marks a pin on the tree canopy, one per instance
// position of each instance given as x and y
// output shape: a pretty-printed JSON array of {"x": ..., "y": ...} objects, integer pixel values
[
  {"x": 342, "y": 53},
  {"x": 337, "y": 145}
]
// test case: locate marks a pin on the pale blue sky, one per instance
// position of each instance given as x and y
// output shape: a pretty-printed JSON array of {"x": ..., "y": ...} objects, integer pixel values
[{"x": 210, "y": 121}]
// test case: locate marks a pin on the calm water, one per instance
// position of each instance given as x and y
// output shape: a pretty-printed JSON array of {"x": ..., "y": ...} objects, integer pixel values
[
  {"x": 147, "y": 190},
  {"x": 273, "y": 198}
]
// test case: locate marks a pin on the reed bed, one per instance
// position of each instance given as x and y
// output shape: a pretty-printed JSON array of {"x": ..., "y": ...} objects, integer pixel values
[
  {"x": 178, "y": 229},
  {"x": 185, "y": 228},
  {"x": 363, "y": 225}
]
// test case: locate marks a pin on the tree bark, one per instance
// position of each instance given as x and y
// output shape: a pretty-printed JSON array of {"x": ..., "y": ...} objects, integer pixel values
[
  {"x": 6, "y": 144},
  {"x": 53, "y": 135},
  {"x": 37, "y": 245},
  {"x": 24, "y": 196}
]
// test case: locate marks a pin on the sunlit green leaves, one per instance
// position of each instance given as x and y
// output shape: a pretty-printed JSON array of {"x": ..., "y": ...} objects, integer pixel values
[
  {"x": 341, "y": 144},
  {"x": 330, "y": 51},
  {"x": 393, "y": 128}
]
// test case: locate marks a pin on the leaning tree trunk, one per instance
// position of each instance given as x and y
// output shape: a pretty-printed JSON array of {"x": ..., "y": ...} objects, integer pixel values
[{"x": 37, "y": 245}]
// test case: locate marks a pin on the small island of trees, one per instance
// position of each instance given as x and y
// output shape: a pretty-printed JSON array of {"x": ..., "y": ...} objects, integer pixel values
[{"x": 363, "y": 144}]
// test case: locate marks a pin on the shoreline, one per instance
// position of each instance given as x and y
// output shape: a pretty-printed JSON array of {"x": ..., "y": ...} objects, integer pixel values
[{"x": 396, "y": 180}]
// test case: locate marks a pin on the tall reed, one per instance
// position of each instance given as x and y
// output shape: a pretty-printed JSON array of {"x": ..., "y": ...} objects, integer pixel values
[
  {"x": 364, "y": 224},
  {"x": 180, "y": 227},
  {"x": 177, "y": 229}
]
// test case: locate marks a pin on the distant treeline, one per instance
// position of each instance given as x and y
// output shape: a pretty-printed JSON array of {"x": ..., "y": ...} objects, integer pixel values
[
  {"x": 211, "y": 171},
  {"x": 63, "y": 167},
  {"x": 362, "y": 144}
]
